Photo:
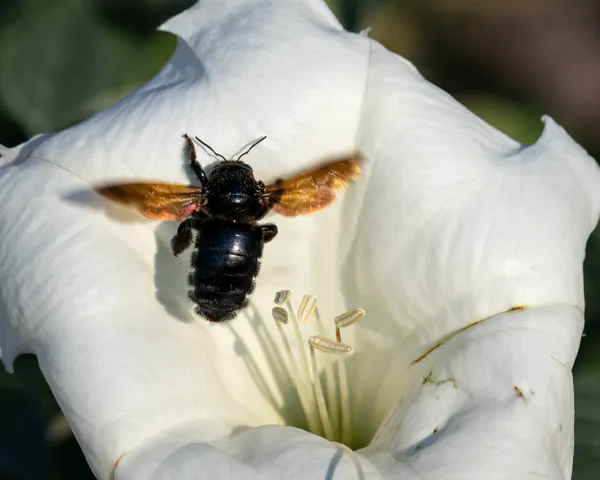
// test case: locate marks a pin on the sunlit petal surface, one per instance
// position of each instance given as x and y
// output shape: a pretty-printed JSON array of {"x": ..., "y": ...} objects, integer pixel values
[{"x": 464, "y": 248}]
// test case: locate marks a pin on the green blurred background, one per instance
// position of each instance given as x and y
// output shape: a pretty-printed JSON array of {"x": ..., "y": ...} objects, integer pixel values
[{"x": 509, "y": 61}]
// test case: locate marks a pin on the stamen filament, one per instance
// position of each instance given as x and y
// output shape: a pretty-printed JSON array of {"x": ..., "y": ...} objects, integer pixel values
[
  {"x": 304, "y": 361},
  {"x": 317, "y": 342},
  {"x": 330, "y": 379},
  {"x": 342, "y": 321},
  {"x": 325, "y": 414},
  {"x": 281, "y": 317},
  {"x": 345, "y": 434}
]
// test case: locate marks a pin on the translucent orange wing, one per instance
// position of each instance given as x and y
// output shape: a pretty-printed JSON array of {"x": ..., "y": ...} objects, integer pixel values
[
  {"x": 313, "y": 190},
  {"x": 158, "y": 201}
]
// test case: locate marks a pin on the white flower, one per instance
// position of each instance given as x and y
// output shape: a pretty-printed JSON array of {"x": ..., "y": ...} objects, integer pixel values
[{"x": 464, "y": 248}]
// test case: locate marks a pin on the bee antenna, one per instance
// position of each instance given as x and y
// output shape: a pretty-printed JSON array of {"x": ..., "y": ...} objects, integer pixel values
[
  {"x": 251, "y": 147},
  {"x": 211, "y": 149}
]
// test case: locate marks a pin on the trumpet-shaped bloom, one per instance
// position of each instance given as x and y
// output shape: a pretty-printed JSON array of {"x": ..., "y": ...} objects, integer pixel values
[{"x": 463, "y": 247}]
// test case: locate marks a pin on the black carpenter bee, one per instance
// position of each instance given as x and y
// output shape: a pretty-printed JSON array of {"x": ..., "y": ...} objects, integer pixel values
[{"x": 224, "y": 211}]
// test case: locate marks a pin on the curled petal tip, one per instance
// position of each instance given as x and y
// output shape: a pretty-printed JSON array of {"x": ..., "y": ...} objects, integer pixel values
[{"x": 5, "y": 156}]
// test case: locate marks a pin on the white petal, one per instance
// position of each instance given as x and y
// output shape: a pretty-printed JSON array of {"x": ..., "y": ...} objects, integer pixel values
[
  {"x": 259, "y": 453},
  {"x": 101, "y": 300},
  {"x": 448, "y": 200},
  {"x": 474, "y": 223},
  {"x": 495, "y": 401},
  {"x": 250, "y": 68},
  {"x": 120, "y": 366},
  {"x": 459, "y": 224}
]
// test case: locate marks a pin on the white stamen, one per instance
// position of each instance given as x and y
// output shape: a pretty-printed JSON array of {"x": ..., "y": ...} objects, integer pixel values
[
  {"x": 303, "y": 360},
  {"x": 305, "y": 375},
  {"x": 342, "y": 321},
  {"x": 345, "y": 402},
  {"x": 316, "y": 342},
  {"x": 331, "y": 389},
  {"x": 330, "y": 418},
  {"x": 303, "y": 392}
]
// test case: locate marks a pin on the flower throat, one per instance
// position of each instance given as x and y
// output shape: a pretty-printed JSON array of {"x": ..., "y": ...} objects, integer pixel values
[{"x": 326, "y": 405}]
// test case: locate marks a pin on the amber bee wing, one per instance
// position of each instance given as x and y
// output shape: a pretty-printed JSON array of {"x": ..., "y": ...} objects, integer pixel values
[
  {"x": 157, "y": 201},
  {"x": 314, "y": 190}
]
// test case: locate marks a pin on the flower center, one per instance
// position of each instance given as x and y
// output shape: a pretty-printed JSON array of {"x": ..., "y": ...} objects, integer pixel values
[{"x": 325, "y": 402}]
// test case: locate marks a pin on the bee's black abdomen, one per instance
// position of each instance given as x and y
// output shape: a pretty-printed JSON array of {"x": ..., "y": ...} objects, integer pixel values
[{"x": 225, "y": 263}]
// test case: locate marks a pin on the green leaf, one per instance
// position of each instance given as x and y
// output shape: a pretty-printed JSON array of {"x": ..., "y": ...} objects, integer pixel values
[
  {"x": 59, "y": 63},
  {"x": 515, "y": 120},
  {"x": 587, "y": 414},
  {"x": 24, "y": 451},
  {"x": 46, "y": 62}
]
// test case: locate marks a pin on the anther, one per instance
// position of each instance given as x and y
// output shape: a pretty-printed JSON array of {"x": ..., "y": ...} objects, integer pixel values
[
  {"x": 307, "y": 308},
  {"x": 349, "y": 318},
  {"x": 280, "y": 315},
  {"x": 328, "y": 346},
  {"x": 281, "y": 297}
]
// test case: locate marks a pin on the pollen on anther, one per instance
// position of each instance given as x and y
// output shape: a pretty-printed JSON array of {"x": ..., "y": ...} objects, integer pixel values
[
  {"x": 280, "y": 315},
  {"x": 328, "y": 346},
  {"x": 281, "y": 297},
  {"x": 349, "y": 318}
]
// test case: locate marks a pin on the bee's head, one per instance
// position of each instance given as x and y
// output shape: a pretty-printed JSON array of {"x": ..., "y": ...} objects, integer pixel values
[
  {"x": 231, "y": 167},
  {"x": 232, "y": 192}
]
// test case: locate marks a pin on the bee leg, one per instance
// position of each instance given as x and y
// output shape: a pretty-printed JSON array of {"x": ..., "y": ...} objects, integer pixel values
[
  {"x": 266, "y": 203},
  {"x": 262, "y": 211},
  {"x": 269, "y": 231},
  {"x": 183, "y": 237},
  {"x": 194, "y": 163}
]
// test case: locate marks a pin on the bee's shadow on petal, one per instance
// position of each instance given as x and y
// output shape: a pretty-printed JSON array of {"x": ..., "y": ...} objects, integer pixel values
[
  {"x": 170, "y": 274},
  {"x": 290, "y": 409},
  {"x": 88, "y": 199}
]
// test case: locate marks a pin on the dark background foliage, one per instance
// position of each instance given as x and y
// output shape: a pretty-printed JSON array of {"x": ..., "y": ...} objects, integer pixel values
[{"x": 509, "y": 61}]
